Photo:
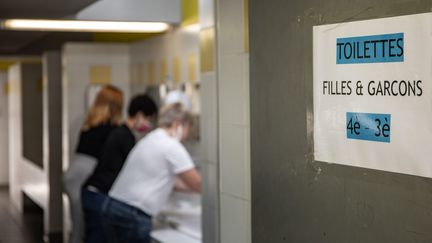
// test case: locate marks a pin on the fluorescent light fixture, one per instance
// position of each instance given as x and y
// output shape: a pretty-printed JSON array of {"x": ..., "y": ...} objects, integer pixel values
[{"x": 84, "y": 26}]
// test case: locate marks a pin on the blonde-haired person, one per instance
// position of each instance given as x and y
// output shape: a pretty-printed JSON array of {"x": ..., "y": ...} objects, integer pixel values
[
  {"x": 148, "y": 177},
  {"x": 103, "y": 117}
]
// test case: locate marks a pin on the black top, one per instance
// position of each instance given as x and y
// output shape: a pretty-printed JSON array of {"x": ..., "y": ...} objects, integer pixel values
[
  {"x": 92, "y": 141},
  {"x": 119, "y": 144}
]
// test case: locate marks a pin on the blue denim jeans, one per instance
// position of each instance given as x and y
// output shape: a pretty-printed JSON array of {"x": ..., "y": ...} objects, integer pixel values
[
  {"x": 125, "y": 224},
  {"x": 92, "y": 203}
]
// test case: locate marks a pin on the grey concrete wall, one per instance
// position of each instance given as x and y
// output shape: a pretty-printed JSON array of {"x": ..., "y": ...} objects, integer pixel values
[{"x": 297, "y": 199}]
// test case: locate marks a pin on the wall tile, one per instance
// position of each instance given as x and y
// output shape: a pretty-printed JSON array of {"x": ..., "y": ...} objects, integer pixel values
[
  {"x": 210, "y": 226},
  {"x": 235, "y": 220},
  {"x": 206, "y": 13},
  {"x": 208, "y": 89},
  {"x": 207, "y": 49},
  {"x": 210, "y": 185},
  {"x": 234, "y": 161},
  {"x": 209, "y": 117},
  {"x": 233, "y": 91},
  {"x": 234, "y": 138},
  {"x": 231, "y": 22},
  {"x": 246, "y": 88},
  {"x": 212, "y": 142}
]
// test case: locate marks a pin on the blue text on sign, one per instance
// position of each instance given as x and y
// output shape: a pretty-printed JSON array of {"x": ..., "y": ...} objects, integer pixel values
[
  {"x": 368, "y": 126},
  {"x": 370, "y": 49}
]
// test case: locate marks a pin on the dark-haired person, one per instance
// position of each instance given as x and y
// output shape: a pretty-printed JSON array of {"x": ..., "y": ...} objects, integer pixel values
[
  {"x": 142, "y": 110},
  {"x": 148, "y": 177}
]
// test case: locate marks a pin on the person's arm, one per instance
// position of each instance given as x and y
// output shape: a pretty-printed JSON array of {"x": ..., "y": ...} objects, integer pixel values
[
  {"x": 181, "y": 186},
  {"x": 192, "y": 179}
]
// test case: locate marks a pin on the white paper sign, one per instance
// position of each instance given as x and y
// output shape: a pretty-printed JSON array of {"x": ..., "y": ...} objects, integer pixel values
[{"x": 373, "y": 94}]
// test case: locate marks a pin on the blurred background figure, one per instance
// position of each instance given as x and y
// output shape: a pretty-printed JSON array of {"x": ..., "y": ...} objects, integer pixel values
[
  {"x": 148, "y": 178},
  {"x": 103, "y": 117},
  {"x": 142, "y": 112},
  {"x": 178, "y": 96},
  {"x": 171, "y": 94}
]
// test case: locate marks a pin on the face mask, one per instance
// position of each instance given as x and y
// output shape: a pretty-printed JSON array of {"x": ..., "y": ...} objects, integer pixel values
[
  {"x": 144, "y": 126},
  {"x": 178, "y": 134}
]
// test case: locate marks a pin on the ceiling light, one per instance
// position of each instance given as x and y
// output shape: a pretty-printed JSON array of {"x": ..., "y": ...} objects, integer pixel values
[{"x": 84, "y": 26}]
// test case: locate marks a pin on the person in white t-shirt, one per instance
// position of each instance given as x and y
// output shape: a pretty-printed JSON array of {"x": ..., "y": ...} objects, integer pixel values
[{"x": 148, "y": 177}]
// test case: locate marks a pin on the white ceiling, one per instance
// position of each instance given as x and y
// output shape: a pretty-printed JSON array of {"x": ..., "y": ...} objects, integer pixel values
[
  {"x": 41, "y": 8},
  {"x": 168, "y": 11},
  {"x": 25, "y": 42}
]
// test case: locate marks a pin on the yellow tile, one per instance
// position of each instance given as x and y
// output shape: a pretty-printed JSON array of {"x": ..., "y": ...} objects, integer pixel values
[
  {"x": 5, "y": 88},
  {"x": 151, "y": 73},
  {"x": 176, "y": 70},
  {"x": 4, "y": 65},
  {"x": 207, "y": 40},
  {"x": 12, "y": 86},
  {"x": 100, "y": 74},
  {"x": 122, "y": 37},
  {"x": 189, "y": 12},
  {"x": 192, "y": 67}
]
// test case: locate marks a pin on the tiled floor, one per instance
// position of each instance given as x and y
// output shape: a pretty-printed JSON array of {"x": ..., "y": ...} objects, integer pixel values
[{"x": 16, "y": 228}]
